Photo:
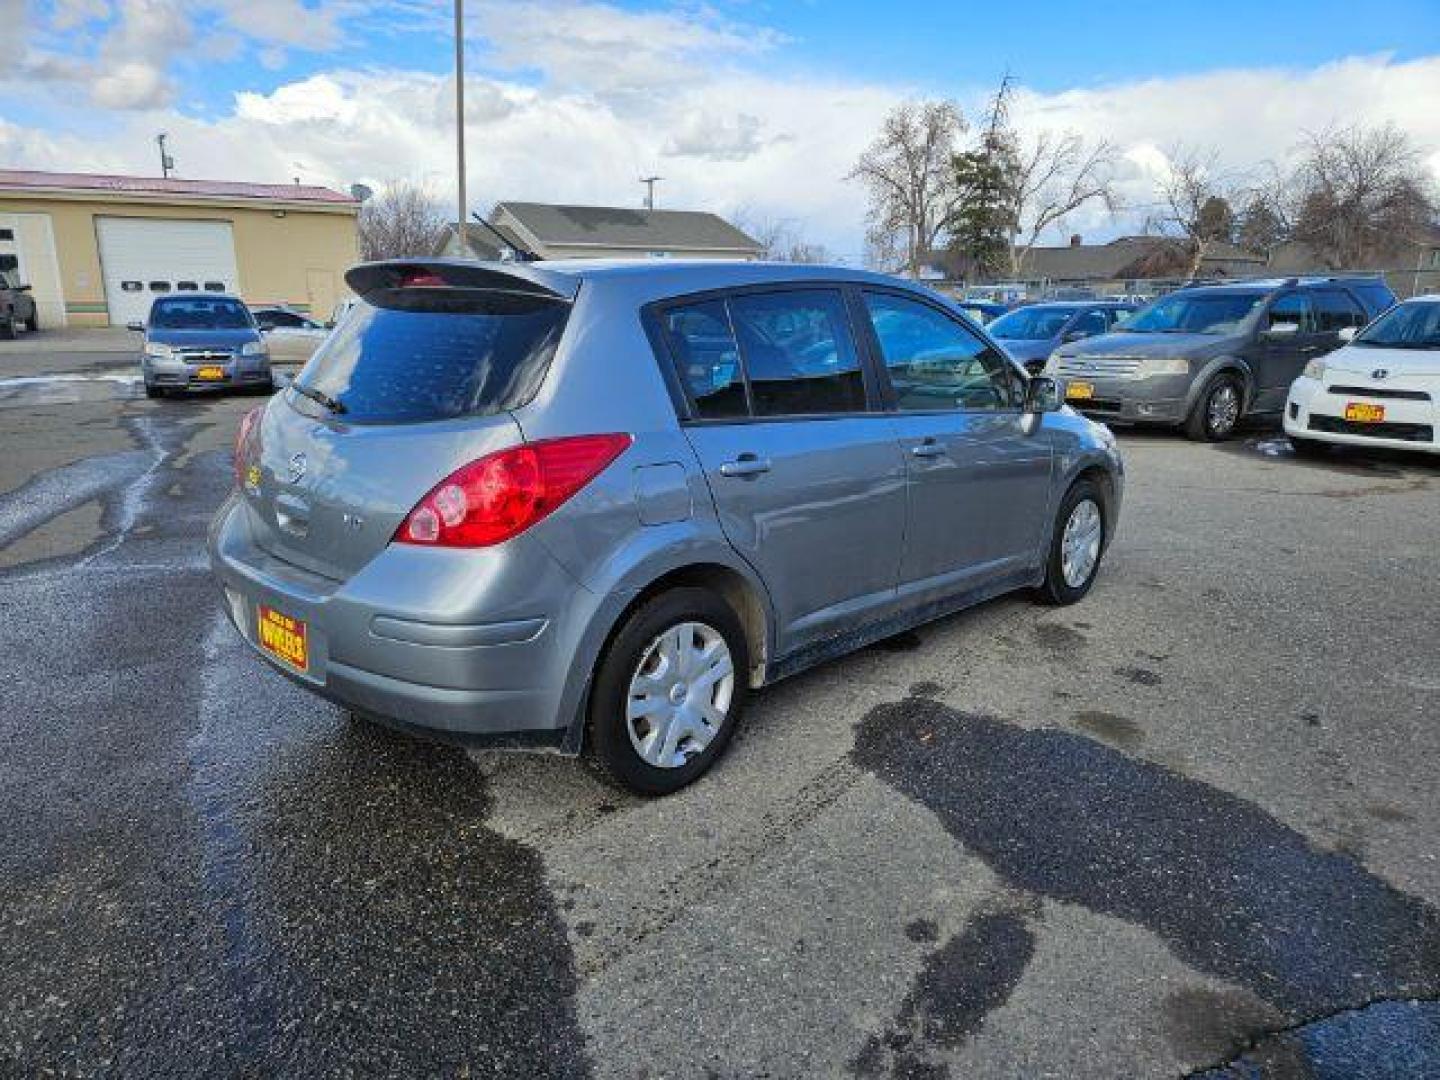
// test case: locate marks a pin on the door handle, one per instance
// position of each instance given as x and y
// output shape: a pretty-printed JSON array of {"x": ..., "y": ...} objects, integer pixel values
[
  {"x": 745, "y": 465},
  {"x": 928, "y": 449}
]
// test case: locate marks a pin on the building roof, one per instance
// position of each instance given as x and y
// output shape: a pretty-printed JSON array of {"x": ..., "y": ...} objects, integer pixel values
[
  {"x": 621, "y": 227},
  {"x": 480, "y": 239},
  {"x": 34, "y": 181},
  {"x": 1125, "y": 257}
]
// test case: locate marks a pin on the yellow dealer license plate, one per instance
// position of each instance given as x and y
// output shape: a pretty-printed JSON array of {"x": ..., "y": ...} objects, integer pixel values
[
  {"x": 1080, "y": 391},
  {"x": 1362, "y": 412},
  {"x": 284, "y": 636},
  {"x": 211, "y": 374}
]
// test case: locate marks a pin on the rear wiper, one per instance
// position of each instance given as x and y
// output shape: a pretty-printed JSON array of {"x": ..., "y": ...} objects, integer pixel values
[{"x": 319, "y": 397}]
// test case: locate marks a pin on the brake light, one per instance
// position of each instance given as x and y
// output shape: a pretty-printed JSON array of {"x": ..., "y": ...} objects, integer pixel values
[
  {"x": 502, "y": 494},
  {"x": 248, "y": 425},
  {"x": 421, "y": 279}
]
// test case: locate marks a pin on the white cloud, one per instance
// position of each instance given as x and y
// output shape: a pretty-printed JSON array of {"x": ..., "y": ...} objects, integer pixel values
[{"x": 591, "y": 97}]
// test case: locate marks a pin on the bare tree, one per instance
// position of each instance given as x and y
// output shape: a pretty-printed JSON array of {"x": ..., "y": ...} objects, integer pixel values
[
  {"x": 780, "y": 239},
  {"x": 1055, "y": 175},
  {"x": 1196, "y": 200},
  {"x": 1361, "y": 195},
  {"x": 404, "y": 220},
  {"x": 908, "y": 173}
]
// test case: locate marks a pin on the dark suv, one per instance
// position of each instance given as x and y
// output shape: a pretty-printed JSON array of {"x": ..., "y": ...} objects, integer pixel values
[
  {"x": 1204, "y": 357},
  {"x": 17, "y": 306}
]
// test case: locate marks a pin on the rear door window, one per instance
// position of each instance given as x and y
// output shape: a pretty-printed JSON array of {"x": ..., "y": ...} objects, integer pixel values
[
  {"x": 454, "y": 354},
  {"x": 707, "y": 359},
  {"x": 798, "y": 353},
  {"x": 936, "y": 363}
]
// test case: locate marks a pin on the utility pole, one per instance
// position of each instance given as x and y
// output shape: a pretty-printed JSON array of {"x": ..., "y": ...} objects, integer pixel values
[
  {"x": 167, "y": 163},
  {"x": 460, "y": 126},
  {"x": 650, "y": 182}
]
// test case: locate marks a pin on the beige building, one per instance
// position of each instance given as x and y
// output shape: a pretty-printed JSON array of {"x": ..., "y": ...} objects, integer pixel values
[
  {"x": 602, "y": 232},
  {"x": 97, "y": 250}
]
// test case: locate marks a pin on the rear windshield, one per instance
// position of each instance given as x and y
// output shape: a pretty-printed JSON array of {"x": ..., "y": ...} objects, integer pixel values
[
  {"x": 197, "y": 314},
  {"x": 407, "y": 363}
]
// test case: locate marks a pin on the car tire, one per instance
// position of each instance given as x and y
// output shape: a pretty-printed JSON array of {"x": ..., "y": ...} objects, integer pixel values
[
  {"x": 645, "y": 716},
  {"x": 7, "y": 330},
  {"x": 1309, "y": 448},
  {"x": 1217, "y": 411},
  {"x": 1077, "y": 544},
  {"x": 153, "y": 391},
  {"x": 32, "y": 324}
]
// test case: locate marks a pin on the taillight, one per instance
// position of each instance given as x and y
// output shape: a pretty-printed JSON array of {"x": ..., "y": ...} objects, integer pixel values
[
  {"x": 502, "y": 494},
  {"x": 248, "y": 423}
]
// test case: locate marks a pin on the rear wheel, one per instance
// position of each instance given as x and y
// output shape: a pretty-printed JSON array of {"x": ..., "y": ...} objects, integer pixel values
[
  {"x": 32, "y": 324},
  {"x": 1215, "y": 415},
  {"x": 1076, "y": 545},
  {"x": 668, "y": 692}
]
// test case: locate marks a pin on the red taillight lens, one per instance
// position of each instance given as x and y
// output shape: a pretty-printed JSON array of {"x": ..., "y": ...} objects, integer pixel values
[
  {"x": 248, "y": 424},
  {"x": 502, "y": 494},
  {"x": 420, "y": 279}
]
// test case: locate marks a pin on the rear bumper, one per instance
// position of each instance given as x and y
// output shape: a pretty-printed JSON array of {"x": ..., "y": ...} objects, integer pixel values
[
  {"x": 1313, "y": 412},
  {"x": 498, "y": 682}
]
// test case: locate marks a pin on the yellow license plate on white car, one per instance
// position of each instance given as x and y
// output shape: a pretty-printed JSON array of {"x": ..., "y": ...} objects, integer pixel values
[
  {"x": 210, "y": 374},
  {"x": 1080, "y": 391},
  {"x": 1362, "y": 412},
  {"x": 283, "y": 636}
]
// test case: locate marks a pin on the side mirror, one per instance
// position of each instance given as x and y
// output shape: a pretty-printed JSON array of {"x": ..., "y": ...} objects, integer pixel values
[
  {"x": 1282, "y": 330},
  {"x": 1347, "y": 333},
  {"x": 136, "y": 325},
  {"x": 1042, "y": 395}
]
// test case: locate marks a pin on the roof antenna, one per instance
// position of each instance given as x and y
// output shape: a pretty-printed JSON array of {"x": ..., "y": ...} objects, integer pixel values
[{"x": 516, "y": 252}]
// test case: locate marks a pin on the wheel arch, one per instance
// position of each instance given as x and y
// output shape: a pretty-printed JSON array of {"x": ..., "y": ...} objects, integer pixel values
[
  {"x": 1222, "y": 365},
  {"x": 741, "y": 591}
]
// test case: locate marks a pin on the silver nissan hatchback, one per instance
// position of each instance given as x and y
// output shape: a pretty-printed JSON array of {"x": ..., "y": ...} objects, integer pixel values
[{"x": 592, "y": 505}]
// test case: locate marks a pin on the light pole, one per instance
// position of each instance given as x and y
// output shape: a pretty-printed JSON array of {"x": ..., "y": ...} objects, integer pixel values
[{"x": 460, "y": 127}]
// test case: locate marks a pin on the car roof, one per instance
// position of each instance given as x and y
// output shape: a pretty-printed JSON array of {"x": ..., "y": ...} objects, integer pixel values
[
  {"x": 1073, "y": 305},
  {"x": 1271, "y": 284}
]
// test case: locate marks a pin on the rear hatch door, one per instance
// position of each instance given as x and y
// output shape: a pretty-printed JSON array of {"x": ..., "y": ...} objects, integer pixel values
[{"x": 417, "y": 381}]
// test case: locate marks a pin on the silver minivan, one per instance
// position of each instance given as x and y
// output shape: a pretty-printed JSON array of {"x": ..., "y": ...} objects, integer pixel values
[{"x": 592, "y": 505}]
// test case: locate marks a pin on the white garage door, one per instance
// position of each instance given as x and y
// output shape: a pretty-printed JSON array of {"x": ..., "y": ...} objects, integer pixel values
[{"x": 142, "y": 258}]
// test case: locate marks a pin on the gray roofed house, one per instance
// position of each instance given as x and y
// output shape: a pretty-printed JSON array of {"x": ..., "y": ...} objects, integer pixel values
[{"x": 606, "y": 232}]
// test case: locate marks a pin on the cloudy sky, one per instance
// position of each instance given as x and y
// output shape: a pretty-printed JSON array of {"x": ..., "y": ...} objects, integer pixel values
[{"x": 749, "y": 106}]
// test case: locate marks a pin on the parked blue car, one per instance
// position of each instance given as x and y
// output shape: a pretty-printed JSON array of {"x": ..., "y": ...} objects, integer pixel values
[{"x": 1031, "y": 333}]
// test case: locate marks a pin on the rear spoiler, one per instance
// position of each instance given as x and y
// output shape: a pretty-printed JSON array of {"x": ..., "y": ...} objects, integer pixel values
[{"x": 525, "y": 278}]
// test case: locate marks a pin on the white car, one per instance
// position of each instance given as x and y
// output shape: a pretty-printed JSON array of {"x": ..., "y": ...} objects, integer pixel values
[
  {"x": 1382, "y": 388},
  {"x": 292, "y": 337}
]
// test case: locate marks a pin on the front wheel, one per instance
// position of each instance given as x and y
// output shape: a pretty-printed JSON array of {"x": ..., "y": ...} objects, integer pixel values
[
  {"x": 1215, "y": 415},
  {"x": 668, "y": 692},
  {"x": 7, "y": 330},
  {"x": 1076, "y": 546},
  {"x": 32, "y": 324}
]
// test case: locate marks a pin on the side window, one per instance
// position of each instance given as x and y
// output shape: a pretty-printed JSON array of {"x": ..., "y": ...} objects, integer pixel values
[
  {"x": 288, "y": 320},
  {"x": 934, "y": 362},
  {"x": 186, "y": 286},
  {"x": 1292, "y": 309},
  {"x": 798, "y": 353},
  {"x": 1090, "y": 324},
  {"x": 1334, "y": 311},
  {"x": 1118, "y": 316},
  {"x": 214, "y": 286},
  {"x": 707, "y": 360}
]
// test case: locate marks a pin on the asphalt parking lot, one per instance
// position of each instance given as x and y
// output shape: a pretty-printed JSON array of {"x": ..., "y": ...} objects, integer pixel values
[{"x": 1186, "y": 825}]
